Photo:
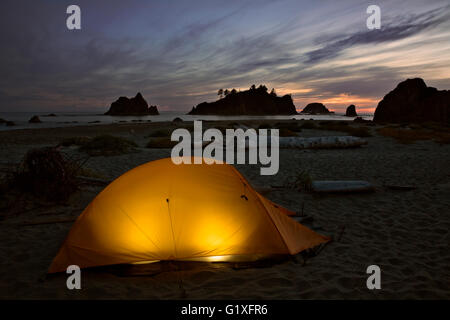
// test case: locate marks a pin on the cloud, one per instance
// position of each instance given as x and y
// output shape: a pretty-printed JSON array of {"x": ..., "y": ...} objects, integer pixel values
[
  {"x": 196, "y": 48},
  {"x": 395, "y": 29},
  {"x": 194, "y": 31}
]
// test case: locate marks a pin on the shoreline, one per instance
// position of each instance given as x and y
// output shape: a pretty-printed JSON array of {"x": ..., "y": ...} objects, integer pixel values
[
  {"x": 134, "y": 128},
  {"x": 92, "y": 119}
]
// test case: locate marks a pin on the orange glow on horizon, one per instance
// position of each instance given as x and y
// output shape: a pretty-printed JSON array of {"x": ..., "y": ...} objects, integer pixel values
[{"x": 340, "y": 102}]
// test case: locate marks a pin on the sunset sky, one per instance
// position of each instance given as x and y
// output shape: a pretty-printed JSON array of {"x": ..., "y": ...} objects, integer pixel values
[{"x": 179, "y": 53}]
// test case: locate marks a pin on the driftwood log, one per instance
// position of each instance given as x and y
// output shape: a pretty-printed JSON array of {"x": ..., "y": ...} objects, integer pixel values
[
  {"x": 321, "y": 142},
  {"x": 341, "y": 186}
]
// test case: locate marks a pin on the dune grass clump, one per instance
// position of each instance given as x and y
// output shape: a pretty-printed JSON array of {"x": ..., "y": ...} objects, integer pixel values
[
  {"x": 353, "y": 131},
  {"x": 161, "y": 143},
  {"x": 409, "y": 135},
  {"x": 77, "y": 141},
  {"x": 292, "y": 126},
  {"x": 264, "y": 126},
  {"x": 361, "y": 132},
  {"x": 284, "y": 132},
  {"x": 431, "y": 126},
  {"x": 189, "y": 126},
  {"x": 308, "y": 125},
  {"x": 47, "y": 174},
  {"x": 160, "y": 133},
  {"x": 107, "y": 145},
  {"x": 89, "y": 173}
]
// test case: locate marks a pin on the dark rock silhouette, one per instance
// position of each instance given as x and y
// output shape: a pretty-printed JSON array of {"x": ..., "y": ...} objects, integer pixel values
[
  {"x": 34, "y": 119},
  {"x": 315, "y": 108},
  {"x": 131, "y": 107},
  {"x": 256, "y": 101},
  {"x": 7, "y": 123},
  {"x": 360, "y": 120},
  {"x": 412, "y": 101},
  {"x": 351, "y": 111},
  {"x": 49, "y": 115},
  {"x": 153, "y": 110}
]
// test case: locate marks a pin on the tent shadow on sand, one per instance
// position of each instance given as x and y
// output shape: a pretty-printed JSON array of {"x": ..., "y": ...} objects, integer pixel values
[
  {"x": 154, "y": 269},
  {"x": 171, "y": 266}
]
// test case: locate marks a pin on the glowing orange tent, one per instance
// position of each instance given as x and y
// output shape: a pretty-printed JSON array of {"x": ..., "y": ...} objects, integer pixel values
[{"x": 163, "y": 211}]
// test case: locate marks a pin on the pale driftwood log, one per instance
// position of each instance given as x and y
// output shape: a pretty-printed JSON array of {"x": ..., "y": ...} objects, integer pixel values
[
  {"x": 321, "y": 142},
  {"x": 341, "y": 186},
  {"x": 327, "y": 142}
]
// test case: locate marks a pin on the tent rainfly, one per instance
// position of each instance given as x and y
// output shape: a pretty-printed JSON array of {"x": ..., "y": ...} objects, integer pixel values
[{"x": 162, "y": 211}]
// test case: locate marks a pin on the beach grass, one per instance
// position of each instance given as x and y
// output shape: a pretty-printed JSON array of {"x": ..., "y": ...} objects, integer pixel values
[
  {"x": 416, "y": 133},
  {"x": 361, "y": 132},
  {"x": 159, "y": 133},
  {"x": 108, "y": 145},
  {"x": 284, "y": 132},
  {"x": 309, "y": 124},
  {"x": 47, "y": 173},
  {"x": 291, "y": 126},
  {"x": 87, "y": 172},
  {"x": 161, "y": 143},
  {"x": 77, "y": 141}
]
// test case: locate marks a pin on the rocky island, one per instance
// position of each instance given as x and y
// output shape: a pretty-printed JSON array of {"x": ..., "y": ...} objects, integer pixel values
[
  {"x": 255, "y": 101},
  {"x": 136, "y": 106},
  {"x": 413, "y": 102},
  {"x": 351, "y": 111},
  {"x": 315, "y": 108}
]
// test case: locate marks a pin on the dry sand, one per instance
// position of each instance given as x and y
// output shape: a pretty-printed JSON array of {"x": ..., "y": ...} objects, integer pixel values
[{"x": 406, "y": 233}]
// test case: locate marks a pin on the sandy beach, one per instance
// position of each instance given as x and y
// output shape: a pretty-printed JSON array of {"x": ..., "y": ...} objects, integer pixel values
[{"x": 405, "y": 232}]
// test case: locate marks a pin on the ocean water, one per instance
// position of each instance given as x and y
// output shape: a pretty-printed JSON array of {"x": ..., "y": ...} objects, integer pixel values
[{"x": 85, "y": 118}]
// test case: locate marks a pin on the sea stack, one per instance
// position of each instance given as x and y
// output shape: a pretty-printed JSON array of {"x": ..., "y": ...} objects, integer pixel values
[
  {"x": 315, "y": 108},
  {"x": 255, "y": 101},
  {"x": 34, "y": 119},
  {"x": 136, "y": 106},
  {"x": 351, "y": 111},
  {"x": 413, "y": 102}
]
